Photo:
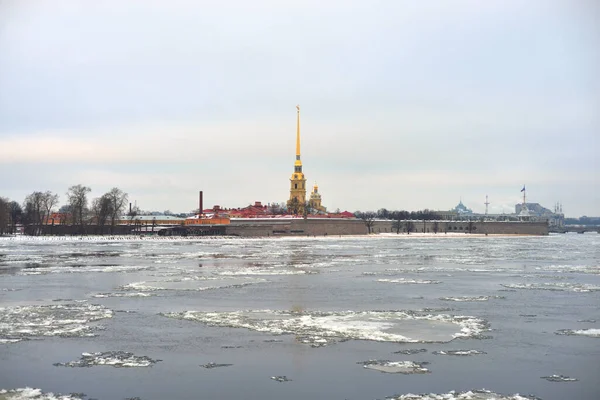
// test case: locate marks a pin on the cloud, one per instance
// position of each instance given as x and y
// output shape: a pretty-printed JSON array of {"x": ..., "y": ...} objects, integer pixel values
[{"x": 404, "y": 104}]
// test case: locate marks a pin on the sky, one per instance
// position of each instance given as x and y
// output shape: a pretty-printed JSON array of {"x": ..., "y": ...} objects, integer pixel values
[{"x": 404, "y": 104}]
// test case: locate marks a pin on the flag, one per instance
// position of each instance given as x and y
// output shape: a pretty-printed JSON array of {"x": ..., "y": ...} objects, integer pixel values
[{"x": 522, "y": 190}]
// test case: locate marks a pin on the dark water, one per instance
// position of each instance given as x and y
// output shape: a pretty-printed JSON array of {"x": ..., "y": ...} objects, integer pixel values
[{"x": 311, "y": 310}]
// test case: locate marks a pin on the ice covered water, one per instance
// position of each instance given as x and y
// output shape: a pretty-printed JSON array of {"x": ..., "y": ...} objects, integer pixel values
[
  {"x": 409, "y": 281},
  {"x": 458, "y": 352},
  {"x": 118, "y": 359},
  {"x": 555, "y": 286},
  {"x": 190, "y": 283},
  {"x": 212, "y": 365},
  {"x": 411, "y": 351},
  {"x": 471, "y": 298},
  {"x": 65, "y": 320},
  {"x": 580, "y": 332},
  {"x": 36, "y": 394},
  {"x": 319, "y": 328},
  {"x": 559, "y": 378},
  {"x": 468, "y": 395},
  {"x": 293, "y": 316},
  {"x": 395, "y": 367}
]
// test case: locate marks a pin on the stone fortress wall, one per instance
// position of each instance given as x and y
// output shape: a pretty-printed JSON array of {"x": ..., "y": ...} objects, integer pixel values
[{"x": 329, "y": 226}]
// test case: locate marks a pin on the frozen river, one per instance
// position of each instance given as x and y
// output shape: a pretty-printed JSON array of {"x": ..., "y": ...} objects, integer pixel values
[{"x": 301, "y": 318}]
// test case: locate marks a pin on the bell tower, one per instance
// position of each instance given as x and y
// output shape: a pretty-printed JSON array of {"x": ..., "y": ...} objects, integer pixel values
[{"x": 297, "y": 181}]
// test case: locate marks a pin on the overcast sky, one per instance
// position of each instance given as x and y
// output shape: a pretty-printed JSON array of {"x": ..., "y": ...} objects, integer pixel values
[{"x": 405, "y": 104}]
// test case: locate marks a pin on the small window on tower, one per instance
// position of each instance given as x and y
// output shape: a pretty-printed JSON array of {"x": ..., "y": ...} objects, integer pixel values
[{"x": 295, "y": 186}]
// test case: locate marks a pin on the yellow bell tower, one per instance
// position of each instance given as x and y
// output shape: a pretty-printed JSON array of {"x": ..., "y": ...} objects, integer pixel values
[{"x": 297, "y": 181}]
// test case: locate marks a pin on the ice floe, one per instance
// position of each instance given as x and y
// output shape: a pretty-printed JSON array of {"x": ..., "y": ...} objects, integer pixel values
[
  {"x": 66, "y": 269},
  {"x": 36, "y": 394},
  {"x": 211, "y": 365},
  {"x": 118, "y": 359},
  {"x": 409, "y": 281},
  {"x": 580, "y": 332},
  {"x": 471, "y": 298},
  {"x": 395, "y": 367},
  {"x": 582, "y": 269},
  {"x": 468, "y": 395},
  {"x": 559, "y": 378},
  {"x": 123, "y": 294},
  {"x": 67, "y": 320},
  {"x": 411, "y": 351},
  {"x": 191, "y": 283},
  {"x": 556, "y": 286},
  {"x": 321, "y": 328},
  {"x": 264, "y": 272},
  {"x": 458, "y": 352},
  {"x": 281, "y": 378}
]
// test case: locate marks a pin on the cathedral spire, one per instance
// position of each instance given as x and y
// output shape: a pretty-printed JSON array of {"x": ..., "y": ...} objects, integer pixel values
[
  {"x": 297, "y": 181},
  {"x": 298, "y": 135}
]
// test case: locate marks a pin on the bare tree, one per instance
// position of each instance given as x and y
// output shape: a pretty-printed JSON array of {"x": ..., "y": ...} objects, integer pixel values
[
  {"x": 368, "y": 217},
  {"x": 16, "y": 213},
  {"x": 102, "y": 210},
  {"x": 49, "y": 201},
  {"x": 34, "y": 211},
  {"x": 118, "y": 200},
  {"x": 436, "y": 227},
  {"x": 409, "y": 226},
  {"x": 78, "y": 201},
  {"x": 276, "y": 208},
  {"x": 4, "y": 216}
]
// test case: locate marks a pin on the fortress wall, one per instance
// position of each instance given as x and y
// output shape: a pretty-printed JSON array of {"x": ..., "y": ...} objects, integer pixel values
[
  {"x": 296, "y": 227},
  {"x": 257, "y": 228},
  {"x": 489, "y": 227},
  {"x": 325, "y": 226}
]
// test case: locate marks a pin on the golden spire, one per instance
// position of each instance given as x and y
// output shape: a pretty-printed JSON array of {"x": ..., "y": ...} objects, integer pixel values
[{"x": 298, "y": 136}]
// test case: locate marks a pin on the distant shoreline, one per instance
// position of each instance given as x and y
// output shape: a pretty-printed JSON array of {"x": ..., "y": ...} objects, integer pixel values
[{"x": 415, "y": 235}]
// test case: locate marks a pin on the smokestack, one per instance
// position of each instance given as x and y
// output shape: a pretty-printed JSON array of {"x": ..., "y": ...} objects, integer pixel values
[
  {"x": 129, "y": 208},
  {"x": 201, "y": 207}
]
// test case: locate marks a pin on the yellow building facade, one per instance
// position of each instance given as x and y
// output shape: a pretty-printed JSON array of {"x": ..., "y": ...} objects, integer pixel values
[{"x": 315, "y": 200}]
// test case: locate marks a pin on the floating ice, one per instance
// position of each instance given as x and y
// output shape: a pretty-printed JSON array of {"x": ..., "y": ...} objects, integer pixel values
[
  {"x": 581, "y": 332},
  {"x": 458, "y": 352},
  {"x": 67, "y": 320},
  {"x": 191, "y": 283},
  {"x": 395, "y": 367},
  {"x": 559, "y": 378},
  {"x": 264, "y": 271},
  {"x": 116, "y": 359},
  {"x": 557, "y": 286},
  {"x": 469, "y": 395},
  {"x": 211, "y": 365},
  {"x": 62, "y": 269},
  {"x": 409, "y": 281},
  {"x": 123, "y": 294},
  {"x": 410, "y": 351},
  {"x": 471, "y": 298},
  {"x": 36, "y": 394},
  {"x": 582, "y": 269},
  {"x": 281, "y": 378},
  {"x": 321, "y": 328}
]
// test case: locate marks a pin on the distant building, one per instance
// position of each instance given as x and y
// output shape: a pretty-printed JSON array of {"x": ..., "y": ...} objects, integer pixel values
[
  {"x": 315, "y": 200},
  {"x": 462, "y": 210}
]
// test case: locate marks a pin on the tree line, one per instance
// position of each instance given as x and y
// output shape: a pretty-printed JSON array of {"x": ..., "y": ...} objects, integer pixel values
[
  {"x": 402, "y": 218},
  {"x": 38, "y": 210}
]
